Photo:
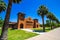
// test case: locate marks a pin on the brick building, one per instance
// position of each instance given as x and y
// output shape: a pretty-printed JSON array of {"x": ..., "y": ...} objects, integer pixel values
[{"x": 23, "y": 22}]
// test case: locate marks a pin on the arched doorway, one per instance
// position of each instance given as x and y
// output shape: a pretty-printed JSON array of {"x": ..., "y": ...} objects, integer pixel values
[
  {"x": 37, "y": 26},
  {"x": 21, "y": 25}
]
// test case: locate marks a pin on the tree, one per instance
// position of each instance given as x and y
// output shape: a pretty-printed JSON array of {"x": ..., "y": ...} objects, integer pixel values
[
  {"x": 48, "y": 23},
  {"x": 42, "y": 11},
  {"x": 49, "y": 16},
  {"x": 2, "y": 6},
  {"x": 6, "y": 21},
  {"x": 57, "y": 21},
  {"x": 52, "y": 18}
]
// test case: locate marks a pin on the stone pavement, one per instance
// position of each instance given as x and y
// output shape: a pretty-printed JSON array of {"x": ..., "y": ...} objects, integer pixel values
[{"x": 52, "y": 35}]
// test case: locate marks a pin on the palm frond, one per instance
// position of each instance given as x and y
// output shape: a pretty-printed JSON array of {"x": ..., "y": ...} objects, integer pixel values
[
  {"x": 2, "y": 6},
  {"x": 17, "y": 1},
  {"x": 42, "y": 10}
]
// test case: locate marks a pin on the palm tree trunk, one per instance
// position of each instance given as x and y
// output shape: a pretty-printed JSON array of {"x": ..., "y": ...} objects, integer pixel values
[
  {"x": 50, "y": 24},
  {"x": 6, "y": 22},
  {"x": 43, "y": 24}
]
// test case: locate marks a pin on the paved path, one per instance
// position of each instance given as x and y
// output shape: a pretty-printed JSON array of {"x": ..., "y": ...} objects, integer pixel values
[
  {"x": 52, "y": 35},
  {"x": 29, "y": 30}
]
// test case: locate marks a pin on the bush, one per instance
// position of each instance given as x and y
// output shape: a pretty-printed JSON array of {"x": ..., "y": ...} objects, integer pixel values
[{"x": 57, "y": 25}]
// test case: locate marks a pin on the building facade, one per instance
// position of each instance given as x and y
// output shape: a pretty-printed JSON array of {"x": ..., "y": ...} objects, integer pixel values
[{"x": 23, "y": 22}]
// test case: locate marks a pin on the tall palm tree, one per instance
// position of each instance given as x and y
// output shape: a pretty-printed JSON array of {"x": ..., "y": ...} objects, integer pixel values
[
  {"x": 42, "y": 11},
  {"x": 6, "y": 21},
  {"x": 51, "y": 17},
  {"x": 2, "y": 7}
]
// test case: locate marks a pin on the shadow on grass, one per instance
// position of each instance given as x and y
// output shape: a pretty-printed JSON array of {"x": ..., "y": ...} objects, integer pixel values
[
  {"x": 46, "y": 30},
  {"x": 37, "y": 30}
]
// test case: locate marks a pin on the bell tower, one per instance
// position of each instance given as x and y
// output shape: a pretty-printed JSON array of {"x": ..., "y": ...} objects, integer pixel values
[{"x": 21, "y": 17}]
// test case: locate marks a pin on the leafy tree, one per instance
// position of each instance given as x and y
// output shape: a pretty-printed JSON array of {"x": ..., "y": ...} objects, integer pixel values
[
  {"x": 6, "y": 21},
  {"x": 42, "y": 11}
]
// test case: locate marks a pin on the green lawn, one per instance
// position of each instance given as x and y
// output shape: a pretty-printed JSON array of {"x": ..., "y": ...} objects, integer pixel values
[
  {"x": 19, "y": 34},
  {"x": 41, "y": 29}
]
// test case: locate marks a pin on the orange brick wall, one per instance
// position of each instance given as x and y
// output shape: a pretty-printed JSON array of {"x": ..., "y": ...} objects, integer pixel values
[{"x": 25, "y": 24}]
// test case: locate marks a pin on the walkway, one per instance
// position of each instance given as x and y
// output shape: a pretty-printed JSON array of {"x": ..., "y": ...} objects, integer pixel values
[
  {"x": 52, "y": 35},
  {"x": 29, "y": 30}
]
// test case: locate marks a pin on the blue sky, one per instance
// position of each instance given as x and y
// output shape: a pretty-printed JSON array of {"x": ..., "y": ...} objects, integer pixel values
[{"x": 30, "y": 7}]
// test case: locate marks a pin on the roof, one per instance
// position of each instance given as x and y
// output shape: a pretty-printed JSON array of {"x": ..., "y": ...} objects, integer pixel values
[
  {"x": 12, "y": 22},
  {"x": 21, "y": 13}
]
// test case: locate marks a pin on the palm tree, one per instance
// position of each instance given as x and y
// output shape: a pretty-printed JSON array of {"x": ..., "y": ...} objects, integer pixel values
[
  {"x": 56, "y": 20},
  {"x": 51, "y": 17},
  {"x": 42, "y": 11},
  {"x": 6, "y": 21},
  {"x": 2, "y": 6},
  {"x": 48, "y": 23}
]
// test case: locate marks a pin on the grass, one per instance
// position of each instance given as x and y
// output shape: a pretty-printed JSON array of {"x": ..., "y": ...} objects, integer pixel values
[
  {"x": 19, "y": 34},
  {"x": 22, "y": 35},
  {"x": 41, "y": 29}
]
